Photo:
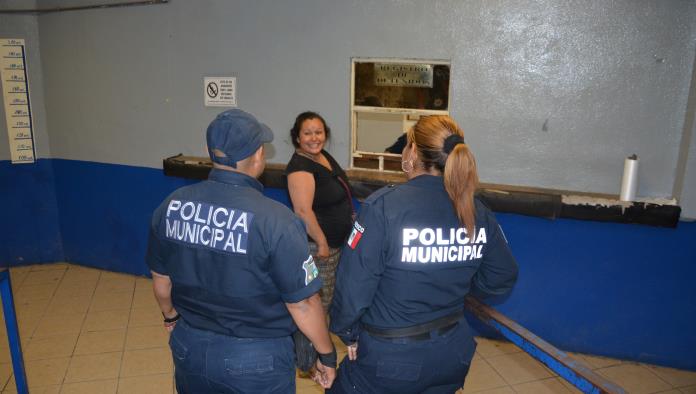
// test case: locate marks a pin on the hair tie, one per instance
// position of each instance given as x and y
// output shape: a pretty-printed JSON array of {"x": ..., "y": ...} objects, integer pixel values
[{"x": 452, "y": 141}]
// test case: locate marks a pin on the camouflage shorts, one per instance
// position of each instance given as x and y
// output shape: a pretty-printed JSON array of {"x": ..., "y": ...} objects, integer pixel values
[{"x": 327, "y": 273}]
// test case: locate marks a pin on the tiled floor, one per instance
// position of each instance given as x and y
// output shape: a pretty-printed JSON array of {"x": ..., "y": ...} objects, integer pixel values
[{"x": 90, "y": 331}]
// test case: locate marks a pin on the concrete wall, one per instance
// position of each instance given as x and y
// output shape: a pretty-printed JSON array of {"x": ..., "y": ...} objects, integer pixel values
[
  {"x": 550, "y": 94},
  {"x": 687, "y": 197}
]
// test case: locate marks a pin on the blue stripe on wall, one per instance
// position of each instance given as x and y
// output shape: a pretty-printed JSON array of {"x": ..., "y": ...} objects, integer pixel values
[
  {"x": 105, "y": 211},
  {"x": 29, "y": 214},
  {"x": 619, "y": 290},
  {"x": 601, "y": 288}
]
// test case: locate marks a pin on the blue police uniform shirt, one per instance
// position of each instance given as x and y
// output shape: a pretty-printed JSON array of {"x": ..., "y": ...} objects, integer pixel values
[
  {"x": 408, "y": 261},
  {"x": 234, "y": 256}
]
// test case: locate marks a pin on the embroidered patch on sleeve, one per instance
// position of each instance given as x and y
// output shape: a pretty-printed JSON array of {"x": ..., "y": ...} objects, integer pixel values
[
  {"x": 310, "y": 269},
  {"x": 355, "y": 235}
]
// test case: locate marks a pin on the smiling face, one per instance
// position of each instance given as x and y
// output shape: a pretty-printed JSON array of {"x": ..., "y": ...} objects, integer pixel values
[{"x": 312, "y": 136}]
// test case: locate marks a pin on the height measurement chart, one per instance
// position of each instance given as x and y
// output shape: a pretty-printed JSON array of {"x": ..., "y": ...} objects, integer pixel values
[{"x": 15, "y": 92}]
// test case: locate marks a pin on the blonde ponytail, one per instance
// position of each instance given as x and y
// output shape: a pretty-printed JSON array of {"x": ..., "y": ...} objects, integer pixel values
[
  {"x": 461, "y": 181},
  {"x": 455, "y": 162}
]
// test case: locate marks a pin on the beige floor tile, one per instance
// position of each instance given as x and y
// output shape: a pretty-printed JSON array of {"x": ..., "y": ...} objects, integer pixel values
[
  {"x": 96, "y": 342},
  {"x": 86, "y": 276},
  {"x": 150, "y": 384},
  {"x": 569, "y": 386},
  {"x": 84, "y": 290},
  {"x": 498, "y": 390},
  {"x": 145, "y": 317},
  {"x": 102, "y": 301},
  {"x": 50, "y": 347},
  {"x": 44, "y": 277},
  {"x": 80, "y": 267},
  {"x": 482, "y": 376},
  {"x": 490, "y": 347},
  {"x": 147, "y": 337},
  {"x": 60, "y": 306},
  {"x": 66, "y": 324},
  {"x": 5, "y": 357},
  {"x": 544, "y": 386},
  {"x": 519, "y": 368},
  {"x": 48, "y": 372},
  {"x": 142, "y": 283},
  {"x": 52, "y": 389},
  {"x": 35, "y": 292},
  {"x": 111, "y": 275},
  {"x": 21, "y": 270},
  {"x": 31, "y": 306},
  {"x": 95, "y": 387},
  {"x": 635, "y": 378},
  {"x": 61, "y": 266},
  {"x": 688, "y": 390},
  {"x": 111, "y": 283},
  {"x": 15, "y": 287},
  {"x": 24, "y": 269},
  {"x": 144, "y": 299},
  {"x": 146, "y": 362},
  {"x": 106, "y": 320},
  {"x": 673, "y": 391},
  {"x": 596, "y": 362},
  {"x": 94, "y": 367},
  {"x": 5, "y": 373},
  {"x": 675, "y": 377},
  {"x": 28, "y": 324}
]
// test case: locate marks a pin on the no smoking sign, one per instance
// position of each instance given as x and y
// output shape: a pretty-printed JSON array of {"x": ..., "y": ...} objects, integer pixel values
[{"x": 220, "y": 91}]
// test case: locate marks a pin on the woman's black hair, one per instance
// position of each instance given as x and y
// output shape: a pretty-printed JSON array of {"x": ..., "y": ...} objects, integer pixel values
[{"x": 307, "y": 115}]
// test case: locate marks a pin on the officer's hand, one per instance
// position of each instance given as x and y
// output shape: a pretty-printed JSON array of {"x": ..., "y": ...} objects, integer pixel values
[
  {"x": 322, "y": 251},
  {"x": 353, "y": 351},
  {"x": 324, "y": 375}
]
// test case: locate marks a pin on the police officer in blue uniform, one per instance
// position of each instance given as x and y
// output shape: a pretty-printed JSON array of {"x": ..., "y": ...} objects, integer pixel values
[
  {"x": 233, "y": 274},
  {"x": 415, "y": 252}
]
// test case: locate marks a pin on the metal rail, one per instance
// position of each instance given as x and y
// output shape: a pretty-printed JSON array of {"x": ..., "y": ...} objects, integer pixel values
[
  {"x": 574, "y": 371},
  {"x": 12, "y": 332},
  {"x": 83, "y": 7}
]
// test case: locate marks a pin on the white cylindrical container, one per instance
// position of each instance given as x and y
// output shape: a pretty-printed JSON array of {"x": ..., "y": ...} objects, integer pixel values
[{"x": 629, "y": 183}]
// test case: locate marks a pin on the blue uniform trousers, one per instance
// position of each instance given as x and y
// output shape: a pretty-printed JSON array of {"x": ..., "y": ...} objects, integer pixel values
[
  {"x": 402, "y": 365},
  {"x": 207, "y": 362}
]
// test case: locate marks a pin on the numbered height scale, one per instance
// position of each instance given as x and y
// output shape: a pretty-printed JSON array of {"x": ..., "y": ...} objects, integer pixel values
[{"x": 15, "y": 92}]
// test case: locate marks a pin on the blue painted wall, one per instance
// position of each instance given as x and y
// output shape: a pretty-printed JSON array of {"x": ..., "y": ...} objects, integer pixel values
[
  {"x": 105, "y": 210},
  {"x": 29, "y": 214},
  {"x": 600, "y": 288}
]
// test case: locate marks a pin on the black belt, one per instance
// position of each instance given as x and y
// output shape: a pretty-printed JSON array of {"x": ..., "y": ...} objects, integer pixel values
[{"x": 420, "y": 331}]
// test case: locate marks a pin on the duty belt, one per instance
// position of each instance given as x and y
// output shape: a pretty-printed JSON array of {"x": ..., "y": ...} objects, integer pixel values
[{"x": 420, "y": 331}]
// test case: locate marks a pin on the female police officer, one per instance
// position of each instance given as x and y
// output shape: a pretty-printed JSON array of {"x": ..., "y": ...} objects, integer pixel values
[{"x": 415, "y": 252}]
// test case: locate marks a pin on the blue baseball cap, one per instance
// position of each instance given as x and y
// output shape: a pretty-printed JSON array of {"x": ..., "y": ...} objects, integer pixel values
[{"x": 237, "y": 134}]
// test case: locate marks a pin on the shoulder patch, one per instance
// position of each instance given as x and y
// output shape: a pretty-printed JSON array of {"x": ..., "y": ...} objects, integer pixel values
[{"x": 310, "y": 269}]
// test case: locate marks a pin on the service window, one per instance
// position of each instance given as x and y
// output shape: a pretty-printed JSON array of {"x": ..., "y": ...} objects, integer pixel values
[{"x": 387, "y": 97}]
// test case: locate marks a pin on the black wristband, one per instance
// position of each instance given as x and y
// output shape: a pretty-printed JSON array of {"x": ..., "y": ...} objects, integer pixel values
[
  {"x": 171, "y": 319},
  {"x": 329, "y": 359}
]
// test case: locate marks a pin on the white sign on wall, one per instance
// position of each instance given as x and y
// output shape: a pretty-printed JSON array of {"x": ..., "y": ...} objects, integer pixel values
[
  {"x": 15, "y": 93},
  {"x": 220, "y": 91}
]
